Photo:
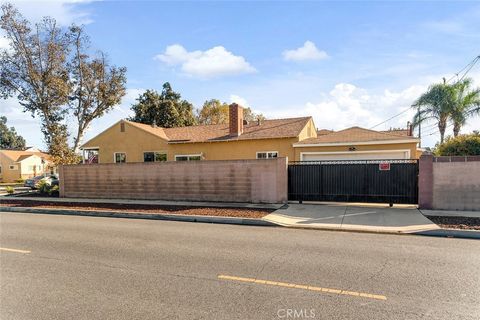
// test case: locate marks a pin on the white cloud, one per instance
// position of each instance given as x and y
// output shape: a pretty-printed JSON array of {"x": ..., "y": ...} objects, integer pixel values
[
  {"x": 347, "y": 105},
  {"x": 65, "y": 12},
  {"x": 213, "y": 62},
  {"x": 241, "y": 101},
  {"x": 25, "y": 125},
  {"x": 309, "y": 51}
]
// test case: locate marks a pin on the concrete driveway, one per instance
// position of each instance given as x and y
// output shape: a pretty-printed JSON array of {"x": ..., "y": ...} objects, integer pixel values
[{"x": 352, "y": 217}]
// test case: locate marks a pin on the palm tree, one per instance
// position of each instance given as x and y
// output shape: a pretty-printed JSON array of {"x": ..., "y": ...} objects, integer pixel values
[
  {"x": 466, "y": 103},
  {"x": 436, "y": 104}
]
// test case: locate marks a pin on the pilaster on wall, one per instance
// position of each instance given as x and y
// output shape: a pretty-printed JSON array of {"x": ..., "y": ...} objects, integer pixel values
[{"x": 425, "y": 182}]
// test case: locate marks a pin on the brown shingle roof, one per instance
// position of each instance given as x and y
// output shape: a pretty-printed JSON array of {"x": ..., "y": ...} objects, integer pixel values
[
  {"x": 158, "y": 131},
  {"x": 279, "y": 128},
  {"x": 323, "y": 132},
  {"x": 398, "y": 132},
  {"x": 354, "y": 134}
]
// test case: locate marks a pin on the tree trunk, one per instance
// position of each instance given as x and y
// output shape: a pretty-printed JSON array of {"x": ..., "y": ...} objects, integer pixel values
[
  {"x": 442, "y": 125},
  {"x": 456, "y": 129},
  {"x": 78, "y": 139}
]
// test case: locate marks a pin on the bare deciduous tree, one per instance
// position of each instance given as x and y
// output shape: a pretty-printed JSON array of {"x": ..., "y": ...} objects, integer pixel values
[
  {"x": 51, "y": 74},
  {"x": 97, "y": 86}
]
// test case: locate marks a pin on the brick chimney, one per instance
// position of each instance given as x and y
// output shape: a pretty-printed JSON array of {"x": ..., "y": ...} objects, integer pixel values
[{"x": 235, "y": 119}]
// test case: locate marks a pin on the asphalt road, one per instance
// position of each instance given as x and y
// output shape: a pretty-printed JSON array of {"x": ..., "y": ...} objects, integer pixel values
[{"x": 107, "y": 268}]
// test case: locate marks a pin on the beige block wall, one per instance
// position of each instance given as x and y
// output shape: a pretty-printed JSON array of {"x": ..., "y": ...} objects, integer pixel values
[
  {"x": 398, "y": 146},
  {"x": 257, "y": 181},
  {"x": 456, "y": 185}
]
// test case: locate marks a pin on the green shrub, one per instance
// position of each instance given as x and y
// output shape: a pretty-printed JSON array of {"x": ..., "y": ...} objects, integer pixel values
[
  {"x": 20, "y": 180},
  {"x": 43, "y": 187},
  {"x": 47, "y": 189},
  {"x": 53, "y": 190},
  {"x": 9, "y": 189},
  {"x": 463, "y": 145}
]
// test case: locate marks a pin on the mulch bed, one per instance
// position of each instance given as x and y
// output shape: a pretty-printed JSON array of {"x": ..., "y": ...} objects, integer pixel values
[
  {"x": 32, "y": 193},
  {"x": 456, "y": 222},
  {"x": 139, "y": 208}
]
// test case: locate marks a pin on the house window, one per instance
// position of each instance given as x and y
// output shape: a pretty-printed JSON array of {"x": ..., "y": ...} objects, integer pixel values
[
  {"x": 0, "y": 169},
  {"x": 120, "y": 157},
  {"x": 122, "y": 127},
  {"x": 154, "y": 156},
  {"x": 267, "y": 154},
  {"x": 188, "y": 157},
  {"x": 90, "y": 156},
  {"x": 13, "y": 167}
]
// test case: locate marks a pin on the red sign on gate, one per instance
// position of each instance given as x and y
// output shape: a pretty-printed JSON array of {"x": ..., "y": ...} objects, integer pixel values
[{"x": 384, "y": 166}]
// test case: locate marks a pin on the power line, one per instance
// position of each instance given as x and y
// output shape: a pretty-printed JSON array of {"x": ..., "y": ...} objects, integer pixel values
[
  {"x": 468, "y": 67},
  {"x": 438, "y": 131},
  {"x": 391, "y": 118}
]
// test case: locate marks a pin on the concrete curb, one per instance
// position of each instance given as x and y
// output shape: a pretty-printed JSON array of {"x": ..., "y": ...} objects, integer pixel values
[
  {"x": 444, "y": 233},
  {"x": 451, "y": 233},
  {"x": 148, "y": 216}
]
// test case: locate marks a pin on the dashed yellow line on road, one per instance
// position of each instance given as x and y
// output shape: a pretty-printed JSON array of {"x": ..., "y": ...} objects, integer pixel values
[
  {"x": 304, "y": 287},
  {"x": 14, "y": 250}
]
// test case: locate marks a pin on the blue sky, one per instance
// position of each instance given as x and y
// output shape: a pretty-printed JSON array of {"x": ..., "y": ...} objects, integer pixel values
[{"x": 344, "y": 63}]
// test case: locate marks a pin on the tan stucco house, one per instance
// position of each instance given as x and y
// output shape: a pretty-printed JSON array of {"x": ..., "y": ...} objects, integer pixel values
[
  {"x": 18, "y": 165},
  {"x": 295, "y": 138}
]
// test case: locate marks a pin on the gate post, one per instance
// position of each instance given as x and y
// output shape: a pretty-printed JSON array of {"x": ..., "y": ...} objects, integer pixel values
[{"x": 425, "y": 182}]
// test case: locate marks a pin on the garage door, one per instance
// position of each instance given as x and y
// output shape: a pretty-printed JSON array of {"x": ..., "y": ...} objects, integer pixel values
[{"x": 356, "y": 155}]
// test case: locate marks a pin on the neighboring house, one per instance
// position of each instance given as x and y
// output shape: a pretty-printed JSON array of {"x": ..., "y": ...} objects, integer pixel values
[
  {"x": 15, "y": 164},
  {"x": 295, "y": 138}
]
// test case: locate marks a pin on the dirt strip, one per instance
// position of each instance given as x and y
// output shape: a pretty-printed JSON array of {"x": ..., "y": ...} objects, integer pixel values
[
  {"x": 463, "y": 223},
  {"x": 185, "y": 210}
]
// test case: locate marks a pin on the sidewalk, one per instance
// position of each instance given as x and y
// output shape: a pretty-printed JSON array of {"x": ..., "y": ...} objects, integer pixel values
[{"x": 370, "y": 218}]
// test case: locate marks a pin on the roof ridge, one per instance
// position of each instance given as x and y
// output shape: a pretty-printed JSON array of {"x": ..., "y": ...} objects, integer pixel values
[
  {"x": 216, "y": 124},
  {"x": 370, "y": 130}
]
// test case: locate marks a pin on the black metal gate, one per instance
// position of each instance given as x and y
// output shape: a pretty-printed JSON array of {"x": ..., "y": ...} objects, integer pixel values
[{"x": 381, "y": 181}]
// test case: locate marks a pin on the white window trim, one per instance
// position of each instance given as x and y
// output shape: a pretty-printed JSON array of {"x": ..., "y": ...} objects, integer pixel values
[
  {"x": 406, "y": 151},
  {"x": 115, "y": 157},
  {"x": 267, "y": 152},
  {"x": 161, "y": 152},
  {"x": 188, "y": 155}
]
